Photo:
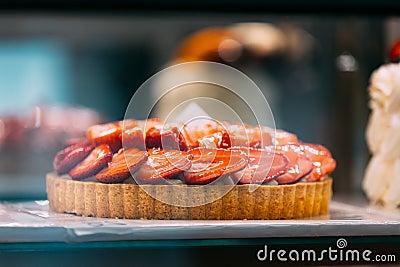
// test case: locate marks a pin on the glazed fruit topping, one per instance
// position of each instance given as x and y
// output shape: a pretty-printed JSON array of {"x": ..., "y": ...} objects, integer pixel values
[
  {"x": 322, "y": 161},
  {"x": 109, "y": 133},
  {"x": 163, "y": 138},
  {"x": 262, "y": 167},
  {"x": 220, "y": 139},
  {"x": 123, "y": 163},
  {"x": 300, "y": 163},
  {"x": 199, "y": 152},
  {"x": 194, "y": 131},
  {"x": 93, "y": 163},
  {"x": 209, "y": 164},
  {"x": 163, "y": 164},
  {"x": 283, "y": 138},
  {"x": 133, "y": 138},
  {"x": 258, "y": 136},
  {"x": 70, "y": 156}
]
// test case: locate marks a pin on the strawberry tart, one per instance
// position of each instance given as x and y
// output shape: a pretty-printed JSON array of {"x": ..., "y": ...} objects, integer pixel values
[{"x": 206, "y": 170}]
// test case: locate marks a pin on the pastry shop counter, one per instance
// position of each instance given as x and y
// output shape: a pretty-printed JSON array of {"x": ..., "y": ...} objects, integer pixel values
[{"x": 30, "y": 232}]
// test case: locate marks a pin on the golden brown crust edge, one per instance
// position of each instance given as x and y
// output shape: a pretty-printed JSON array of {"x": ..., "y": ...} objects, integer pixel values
[{"x": 129, "y": 201}]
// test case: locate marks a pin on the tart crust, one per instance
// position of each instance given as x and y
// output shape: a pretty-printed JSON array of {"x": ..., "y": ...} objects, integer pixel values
[{"x": 130, "y": 201}]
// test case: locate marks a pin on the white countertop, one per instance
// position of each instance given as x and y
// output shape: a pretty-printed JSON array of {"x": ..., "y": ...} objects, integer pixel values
[{"x": 33, "y": 222}]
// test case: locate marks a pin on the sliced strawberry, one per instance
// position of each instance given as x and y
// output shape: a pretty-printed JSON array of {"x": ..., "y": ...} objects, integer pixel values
[
  {"x": 150, "y": 123},
  {"x": 283, "y": 138},
  {"x": 238, "y": 135},
  {"x": 163, "y": 164},
  {"x": 121, "y": 166},
  {"x": 258, "y": 137},
  {"x": 92, "y": 164},
  {"x": 109, "y": 133},
  {"x": 128, "y": 124},
  {"x": 70, "y": 156},
  {"x": 249, "y": 136},
  {"x": 300, "y": 164},
  {"x": 280, "y": 137},
  {"x": 133, "y": 137},
  {"x": 262, "y": 166},
  {"x": 195, "y": 130},
  {"x": 322, "y": 161},
  {"x": 220, "y": 139},
  {"x": 183, "y": 145},
  {"x": 208, "y": 164},
  {"x": 162, "y": 138}
]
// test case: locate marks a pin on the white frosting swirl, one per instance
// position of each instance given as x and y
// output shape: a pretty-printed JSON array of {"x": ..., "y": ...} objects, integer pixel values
[{"x": 382, "y": 177}]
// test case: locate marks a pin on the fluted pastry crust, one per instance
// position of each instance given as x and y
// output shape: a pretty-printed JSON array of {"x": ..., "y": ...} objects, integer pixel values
[{"x": 130, "y": 201}]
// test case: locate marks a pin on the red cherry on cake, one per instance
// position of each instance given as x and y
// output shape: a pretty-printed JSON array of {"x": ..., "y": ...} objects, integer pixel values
[{"x": 394, "y": 55}]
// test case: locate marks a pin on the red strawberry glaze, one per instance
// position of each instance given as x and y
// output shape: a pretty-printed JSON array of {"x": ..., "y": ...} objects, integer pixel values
[
  {"x": 163, "y": 164},
  {"x": 123, "y": 163},
  {"x": 93, "y": 163},
  {"x": 209, "y": 164},
  {"x": 262, "y": 167},
  {"x": 70, "y": 156}
]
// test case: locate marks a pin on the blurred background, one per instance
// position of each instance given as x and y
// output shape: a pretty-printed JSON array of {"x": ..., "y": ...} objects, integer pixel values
[{"x": 61, "y": 72}]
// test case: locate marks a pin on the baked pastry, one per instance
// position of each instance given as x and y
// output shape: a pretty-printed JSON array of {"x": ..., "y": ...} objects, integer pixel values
[{"x": 148, "y": 170}]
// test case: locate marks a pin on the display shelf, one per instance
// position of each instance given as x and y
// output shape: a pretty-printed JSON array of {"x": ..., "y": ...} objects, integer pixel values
[
  {"x": 33, "y": 222},
  {"x": 29, "y": 233}
]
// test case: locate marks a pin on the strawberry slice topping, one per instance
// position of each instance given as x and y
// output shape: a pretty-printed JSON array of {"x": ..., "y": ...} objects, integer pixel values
[
  {"x": 283, "y": 138},
  {"x": 70, "y": 156},
  {"x": 92, "y": 164},
  {"x": 150, "y": 123},
  {"x": 133, "y": 137},
  {"x": 163, "y": 164},
  {"x": 300, "y": 163},
  {"x": 213, "y": 150},
  {"x": 121, "y": 166},
  {"x": 220, "y": 139},
  {"x": 258, "y": 137},
  {"x": 193, "y": 131},
  {"x": 208, "y": 164},
  {"x": 109, "y": 133},
  {"x": 163, "y": 138},
  {"x": 263, "y": 166},
  {"x": 322, "y": 161}
]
